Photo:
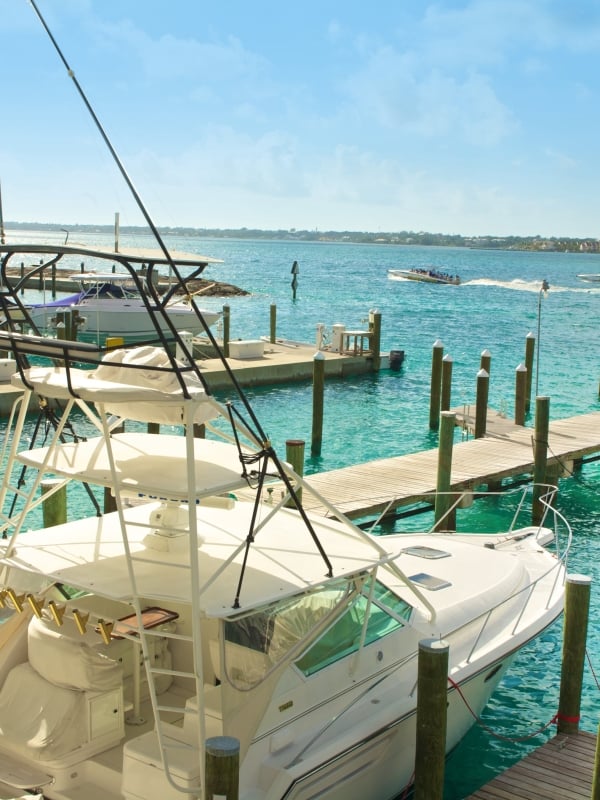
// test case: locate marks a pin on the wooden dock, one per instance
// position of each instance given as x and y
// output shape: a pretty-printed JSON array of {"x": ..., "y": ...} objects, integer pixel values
[
  {"x": 505, "y": 452},
  {"x": 561, "y": 769}
]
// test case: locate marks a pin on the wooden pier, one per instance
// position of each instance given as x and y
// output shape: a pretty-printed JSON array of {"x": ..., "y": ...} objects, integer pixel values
[
  {"x": 561, "y": 769},
  {"x": 505, "y": 452}
]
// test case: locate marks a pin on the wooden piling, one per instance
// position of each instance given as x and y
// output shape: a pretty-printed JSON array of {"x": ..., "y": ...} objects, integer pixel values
[
  {"x": 443, "y": 498},
  {"x": 577, "y": 605},
  {"x": 375, "y": 329},
  {"x": 294, "y": 455},
  {"x": 432, "y": 699},
  {"x": 529, "y": 355},
  {"x": 520, "y": 394},
  {"x": 481, "y": 402},
  {"x": 540, "y": 457},
  {"x": 486, "y": 361},
  {"x": 446, "y": 382},
  {"x": 436, "y": 385},
  {"x": 222, "y": 768},
  {"x": 318, "y": 398},
  {"x": 596, "y": 779},
  {"x": 273, "y": 323},
  {"x": 55, "y": 504},
  {"x": 226, "y": 324}
]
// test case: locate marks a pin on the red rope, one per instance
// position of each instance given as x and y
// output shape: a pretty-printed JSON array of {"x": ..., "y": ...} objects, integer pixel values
[{"x": 493, "y": 733}]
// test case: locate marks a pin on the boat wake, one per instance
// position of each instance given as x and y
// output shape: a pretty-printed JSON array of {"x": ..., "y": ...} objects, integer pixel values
[{"x": 520, "y": 285}]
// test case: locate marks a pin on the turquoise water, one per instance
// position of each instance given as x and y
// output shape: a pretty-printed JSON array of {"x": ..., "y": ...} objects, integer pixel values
[{"x": 497, "y": 304}]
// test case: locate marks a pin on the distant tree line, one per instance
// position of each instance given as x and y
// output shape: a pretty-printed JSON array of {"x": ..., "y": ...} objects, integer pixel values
[{"x": 559, "y": 244}]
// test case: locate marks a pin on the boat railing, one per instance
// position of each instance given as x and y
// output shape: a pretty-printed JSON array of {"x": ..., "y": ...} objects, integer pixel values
[{"x": 470, "y": 639}]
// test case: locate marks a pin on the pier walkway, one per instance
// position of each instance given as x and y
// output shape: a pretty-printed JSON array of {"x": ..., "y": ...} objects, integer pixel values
[
  {"x": 505, "y": 451},
  {"x": 561, "y": 769}
]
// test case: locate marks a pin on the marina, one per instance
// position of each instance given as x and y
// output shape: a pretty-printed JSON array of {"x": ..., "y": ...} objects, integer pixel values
[{"x": 204, "y": 613}]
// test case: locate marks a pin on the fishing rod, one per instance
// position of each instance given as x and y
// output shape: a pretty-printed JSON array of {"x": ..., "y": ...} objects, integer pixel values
[{"x": 150, "y": 223}]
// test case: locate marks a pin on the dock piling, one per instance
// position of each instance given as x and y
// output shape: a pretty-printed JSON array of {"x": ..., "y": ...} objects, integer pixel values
[
  {"x": 436, "y": 385},
  {"x": 529, "y": 355},
  {"x": 443, "y": 498},
  {"x": 431, "y": 719},
  {"x": 577, "y": 604},
  {"x": 55, "y": 504},
  {"x": 375, "y": 330},
  {"x": 294, "y": 455},
  {"x": 273, "y": 323},
  {"x": 222, "y": 768},
  {"x": 486, "y": 361},
  {"x": 318, "y": 397},
  {"x": 481, "y": 402},
  {"x": 446, "y": 382},
  {"x": 521, "y": 376},
  {"x": 226, "y": 323}
]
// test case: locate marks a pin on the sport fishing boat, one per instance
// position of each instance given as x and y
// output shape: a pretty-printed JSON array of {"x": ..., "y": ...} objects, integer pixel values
[
  {"x": 424, "y": 275},
  {"x": 203, "y": 605},
  {"x": 109, "y": 304},
  {"x": 206, "y": 602}
]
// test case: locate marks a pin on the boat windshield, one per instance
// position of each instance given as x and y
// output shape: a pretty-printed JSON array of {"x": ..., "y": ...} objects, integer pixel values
[
  {"x": 332, "y": 619},
  {"x": 111, "y": 291}
]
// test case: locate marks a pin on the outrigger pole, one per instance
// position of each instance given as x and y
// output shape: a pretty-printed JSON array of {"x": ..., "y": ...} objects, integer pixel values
[{"x": 149, "y": 222}]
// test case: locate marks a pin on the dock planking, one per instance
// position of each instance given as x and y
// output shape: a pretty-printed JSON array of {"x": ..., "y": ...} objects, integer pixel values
[
  {"x": 561, "y": 769},
  {"x": 506, "y": 451}
]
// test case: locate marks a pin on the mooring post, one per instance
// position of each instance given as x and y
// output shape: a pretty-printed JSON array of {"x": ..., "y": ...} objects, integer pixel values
[
  {"x": 222, "y": 768},
  {"x": 446, "y": 382},
  {"x": 486, "y": 361},
  {"x": 432, "y": 698},
  {"x": 55, "y": 504},
  {"x": 481, "y": 402},
  {"x": 436, "y": 385},
  {"x": 443, "y": 498},
  {"x": 540, "y": 457},
  {"x": 596, "y": 780},
  {"x": 529, "y": 355},
  {"x": 318, "y": 395},
  {"x": 577, "y": 606},
  {"x": 375, "y": 330},
  {"x": 294, "y": 455},
  {"x": 520, "y": 394},
  {"x": 226, "y": 323},
  {"x": 273, "y": 323}
]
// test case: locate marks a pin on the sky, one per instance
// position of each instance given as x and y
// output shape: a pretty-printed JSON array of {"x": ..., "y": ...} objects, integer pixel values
[{"x": 470, "y": 117}]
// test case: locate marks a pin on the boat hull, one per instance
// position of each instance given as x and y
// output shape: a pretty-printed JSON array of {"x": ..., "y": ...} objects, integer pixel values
[
  {"x": 130, "y": 321},
  {"x": 423, "y": 276}
]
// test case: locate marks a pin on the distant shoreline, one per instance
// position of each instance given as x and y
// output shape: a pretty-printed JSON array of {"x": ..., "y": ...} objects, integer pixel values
[{"x": 536, "y": 243}]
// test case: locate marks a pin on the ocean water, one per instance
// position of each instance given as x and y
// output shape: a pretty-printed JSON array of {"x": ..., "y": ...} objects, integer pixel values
[{"x": 497, "y": 304}]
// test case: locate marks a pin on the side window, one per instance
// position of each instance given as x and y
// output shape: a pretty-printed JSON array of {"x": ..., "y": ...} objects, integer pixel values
[{"x": 387, "y": 613}]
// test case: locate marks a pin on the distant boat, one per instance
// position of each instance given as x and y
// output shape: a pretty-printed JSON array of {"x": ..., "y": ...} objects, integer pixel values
[
  {"x": 591, "y": 277},
  {"x": 428, "y": 275}
]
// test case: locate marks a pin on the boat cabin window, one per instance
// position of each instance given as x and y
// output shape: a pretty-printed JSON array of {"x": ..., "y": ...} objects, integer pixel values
[
  {"x": 385, "y": 614},
  {"x": 333, "y": 618}
]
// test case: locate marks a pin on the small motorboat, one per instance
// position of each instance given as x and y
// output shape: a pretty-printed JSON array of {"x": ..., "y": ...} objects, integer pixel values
[
  {"x": 126, "y": 305},
  {"x": 424, "y": 275},
  {"x": 590, "y": 277}
]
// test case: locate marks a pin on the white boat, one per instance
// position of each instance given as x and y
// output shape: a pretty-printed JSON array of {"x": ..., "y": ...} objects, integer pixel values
[
  {"x": 209, "y": 603},
  {"x": 126, "y": 305},
  {"x": 591, "y": 277},
  {"x": 424, "y": 275}
]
